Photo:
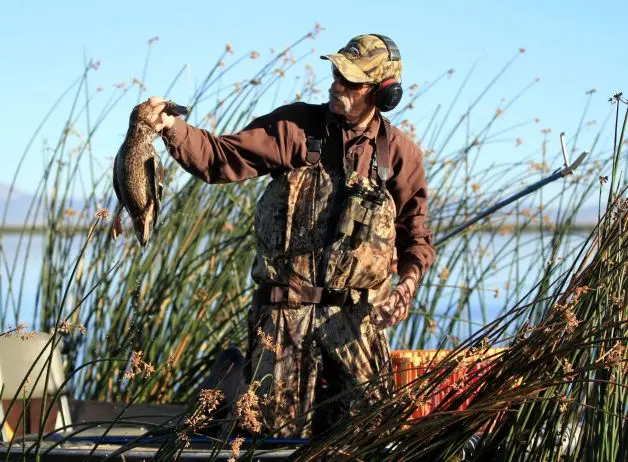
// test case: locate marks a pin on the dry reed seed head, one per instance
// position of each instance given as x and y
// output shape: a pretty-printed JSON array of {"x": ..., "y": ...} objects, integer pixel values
[
  {"x": 19, "y": 331},
  {"x": 571, "y": 320},
  {"x": 267, "y": 398},
  {"x": 539, "y": 166},
  {"x": 228, "y": 48},
  {"x": 268, "y": 343},
  {"x": 64, "y": 328},
  {"x": 138, "y": 366},
  {"x": 183, "y": 437},
  {"x": 314, "y": 33},
  {"x": 94, "y": 65},
  {"x": 247, "y": 412},
  {"x": 236, "y": 444},
  {"x": 103, "y": 213},
  {"x": 564, "y": 402},
  {"x": 139, "y": 83},
  {"x": 210, "y": 399},
  {"x": 567, "y": 366},
  {"x": 254, "y": 55},
  {"x": 615, "y": 355},
  {"x": 617, "y": 303},
  {"x": 154, "y": 39},
  {"x": 19, "y": 327}
]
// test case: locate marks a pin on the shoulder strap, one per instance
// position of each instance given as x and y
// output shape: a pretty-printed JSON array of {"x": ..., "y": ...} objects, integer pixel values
[
  {"x": 315, "y": 138},
  {"x": 383, "y": 151},
  {"x": 314, "y": 148}
]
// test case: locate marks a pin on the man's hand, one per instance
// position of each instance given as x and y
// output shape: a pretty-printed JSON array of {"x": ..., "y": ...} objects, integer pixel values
[
  {"x": 396, "y": 306},
  {"x": 159, "y": 118}
]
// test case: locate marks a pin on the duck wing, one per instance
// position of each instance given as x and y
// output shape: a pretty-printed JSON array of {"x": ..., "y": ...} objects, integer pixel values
[
  {"x": 116, "y": 228},
  {"x": 116, "y": 186},
  {"x": 156, "y": 178}
]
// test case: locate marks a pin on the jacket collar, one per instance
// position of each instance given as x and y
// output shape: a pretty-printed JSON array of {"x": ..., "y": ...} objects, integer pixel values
[{"x": 371, "y": 130}]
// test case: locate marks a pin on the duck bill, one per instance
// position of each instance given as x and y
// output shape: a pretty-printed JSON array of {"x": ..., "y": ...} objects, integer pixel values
[{"x": 175, "y": 109}]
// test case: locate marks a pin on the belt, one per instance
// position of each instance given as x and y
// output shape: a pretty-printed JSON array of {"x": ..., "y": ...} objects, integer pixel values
[{"x": 269, "y": 294}]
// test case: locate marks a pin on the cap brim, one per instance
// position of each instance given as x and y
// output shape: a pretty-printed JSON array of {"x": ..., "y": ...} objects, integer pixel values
[{"x": 349, "y": 71}]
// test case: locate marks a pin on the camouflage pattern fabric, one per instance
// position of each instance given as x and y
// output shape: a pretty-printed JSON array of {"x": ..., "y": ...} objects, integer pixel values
[
  {"x": 368, "y": 265},
  {"x": 323, "y": 351},
  {"x": 292, "y": 222},
  {"x": 365, "y": 59}
]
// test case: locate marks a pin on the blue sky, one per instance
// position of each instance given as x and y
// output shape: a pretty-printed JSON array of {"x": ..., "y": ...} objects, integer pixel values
[{"x": 571, "y": 46}]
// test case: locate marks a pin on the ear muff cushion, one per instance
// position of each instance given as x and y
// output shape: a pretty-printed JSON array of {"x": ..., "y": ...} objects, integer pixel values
[{"x": 388, "y": 95}]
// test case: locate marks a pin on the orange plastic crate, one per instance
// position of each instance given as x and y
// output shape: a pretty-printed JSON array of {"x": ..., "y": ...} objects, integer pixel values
[{"x": 408, "y": 365}]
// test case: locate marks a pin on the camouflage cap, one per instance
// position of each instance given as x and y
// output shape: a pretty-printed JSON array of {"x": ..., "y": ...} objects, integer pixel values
[{"x": 366, "y": 59}]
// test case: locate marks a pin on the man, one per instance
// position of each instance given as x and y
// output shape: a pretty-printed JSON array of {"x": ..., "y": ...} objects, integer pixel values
[{"x": 348, "y": 192}]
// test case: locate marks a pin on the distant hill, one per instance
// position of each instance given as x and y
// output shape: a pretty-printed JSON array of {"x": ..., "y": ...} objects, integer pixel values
[{"x": 19, "y": 204}]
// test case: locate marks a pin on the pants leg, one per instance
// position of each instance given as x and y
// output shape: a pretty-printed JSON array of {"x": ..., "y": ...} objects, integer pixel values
[
  {"x": 287, "y": 374},
  {"x": 355, "y": 363}
]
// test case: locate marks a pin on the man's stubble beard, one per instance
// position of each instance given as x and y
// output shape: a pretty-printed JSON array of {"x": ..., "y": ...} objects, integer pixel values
[{"x": 344, "y": 101}]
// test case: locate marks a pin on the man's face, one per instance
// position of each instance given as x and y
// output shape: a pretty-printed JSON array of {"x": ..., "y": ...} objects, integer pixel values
[{"x": 349, "y": 99}]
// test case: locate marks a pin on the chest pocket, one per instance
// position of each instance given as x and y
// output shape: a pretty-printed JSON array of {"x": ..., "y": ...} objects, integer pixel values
[{"x": 361, "y": 255}]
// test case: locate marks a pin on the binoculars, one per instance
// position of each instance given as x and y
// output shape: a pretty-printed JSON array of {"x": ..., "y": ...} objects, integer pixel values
[{"x": 360, "y": 213}]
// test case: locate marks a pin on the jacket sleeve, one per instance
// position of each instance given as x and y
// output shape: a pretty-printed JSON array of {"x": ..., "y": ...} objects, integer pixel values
[
  {"x": 266, "y": 144},
  {"x": 408, "y": 187}
]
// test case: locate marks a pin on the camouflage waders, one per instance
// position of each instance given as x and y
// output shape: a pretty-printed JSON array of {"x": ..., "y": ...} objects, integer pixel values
[
  {"x": 313, "y": 236},
  {"x": 324, "y": 351}
]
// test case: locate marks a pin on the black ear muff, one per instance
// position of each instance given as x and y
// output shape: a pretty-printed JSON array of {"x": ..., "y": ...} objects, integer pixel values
[
  {"x": 389, "y": 92},
  {"x": 388, "y": 95}
]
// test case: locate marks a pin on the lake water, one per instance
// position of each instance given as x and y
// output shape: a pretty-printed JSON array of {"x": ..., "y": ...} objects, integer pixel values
[{"x": 18, "y": 295}]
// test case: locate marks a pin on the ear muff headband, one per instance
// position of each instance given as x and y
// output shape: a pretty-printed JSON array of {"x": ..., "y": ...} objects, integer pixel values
[
  {"x": 389, "y": 92},
  {"x": 393, "y": 50}
]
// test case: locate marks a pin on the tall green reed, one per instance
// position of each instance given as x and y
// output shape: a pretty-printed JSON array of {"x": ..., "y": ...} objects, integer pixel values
[
  {"x": 185, "y": 297},
  {"x": 558, "y": 392}
]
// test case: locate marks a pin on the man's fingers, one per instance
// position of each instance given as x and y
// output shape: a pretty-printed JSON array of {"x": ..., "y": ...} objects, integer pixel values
[
  {"x": 399, "y": 315},
  {"x": 390, "y": 313},
  {"x": 376, "y": 319},
  {"x": 386, "y": 308},
  {"x": 167, "y": 120},
  {"x": 380, "y": 322}
]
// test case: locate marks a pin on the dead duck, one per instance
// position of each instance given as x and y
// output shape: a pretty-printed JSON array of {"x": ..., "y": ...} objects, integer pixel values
[{"x": 138, "y": 174}]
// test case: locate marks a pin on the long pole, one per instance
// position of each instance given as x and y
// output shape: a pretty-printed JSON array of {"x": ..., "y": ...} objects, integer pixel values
[{"x": 567, "y": 170}]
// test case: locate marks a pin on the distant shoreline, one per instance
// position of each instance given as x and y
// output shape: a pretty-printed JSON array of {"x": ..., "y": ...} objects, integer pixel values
[{"x": 506, "y": 229}]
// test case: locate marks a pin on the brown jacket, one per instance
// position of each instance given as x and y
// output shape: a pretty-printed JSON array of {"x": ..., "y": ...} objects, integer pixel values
[{"x": 276, "y": 142}]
